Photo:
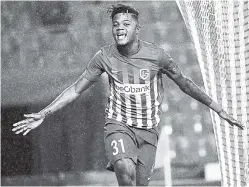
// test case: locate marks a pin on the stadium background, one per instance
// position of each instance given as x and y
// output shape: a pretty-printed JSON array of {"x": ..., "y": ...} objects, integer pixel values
[{"x": 45, "y": 47}]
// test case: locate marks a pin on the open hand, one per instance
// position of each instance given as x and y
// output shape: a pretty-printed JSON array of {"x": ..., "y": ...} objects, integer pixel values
[
  {"x": 24, "y": 126},
  {"x": 230, "y": 120}
]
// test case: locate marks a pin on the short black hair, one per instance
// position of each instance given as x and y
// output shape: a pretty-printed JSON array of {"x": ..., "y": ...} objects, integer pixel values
[{"x": 120, "y": 8}]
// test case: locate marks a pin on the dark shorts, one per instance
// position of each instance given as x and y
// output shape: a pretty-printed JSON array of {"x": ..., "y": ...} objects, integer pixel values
[{"x": 123, "y": 141}]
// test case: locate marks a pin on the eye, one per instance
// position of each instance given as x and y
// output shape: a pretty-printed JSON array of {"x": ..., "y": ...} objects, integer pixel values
[
  {"x": 126, "y": 24},
  {"x": 114, "y": 24}
]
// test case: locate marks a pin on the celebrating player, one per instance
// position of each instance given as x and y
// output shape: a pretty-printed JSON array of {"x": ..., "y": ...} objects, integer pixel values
[{"x": 135, "y": 70}]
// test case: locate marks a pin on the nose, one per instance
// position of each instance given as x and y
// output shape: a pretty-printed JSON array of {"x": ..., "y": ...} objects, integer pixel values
[{"x": 120, "y": 27}]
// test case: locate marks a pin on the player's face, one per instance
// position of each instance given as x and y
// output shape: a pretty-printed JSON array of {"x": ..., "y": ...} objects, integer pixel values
[{"x": 124, "y": 29}]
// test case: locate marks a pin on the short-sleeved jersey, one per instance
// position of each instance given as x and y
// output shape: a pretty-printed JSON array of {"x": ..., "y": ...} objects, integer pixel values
[{"x": 135, "y": 83}]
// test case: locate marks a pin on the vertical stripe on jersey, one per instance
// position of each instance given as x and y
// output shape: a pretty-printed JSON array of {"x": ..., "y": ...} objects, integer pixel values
[
  {"x": 158, "y": 94},
  {"x": 138, "y": 102},
  {"x": 118, "y": 97},
  {"x": 127, "y": 101},
  {"x": 148, "y": 106},
  {"x": 143, "y": 105},
  {"x": 132, "y": 97},
  {"x": 155, "y": 96},
  {"x": 111, "y": 97}
]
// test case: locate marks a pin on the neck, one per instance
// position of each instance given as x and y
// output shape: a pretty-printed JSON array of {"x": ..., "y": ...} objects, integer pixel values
[{"x": 129, "y": 49}]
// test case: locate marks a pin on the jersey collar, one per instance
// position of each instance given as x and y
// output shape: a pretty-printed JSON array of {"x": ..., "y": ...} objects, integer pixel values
[{"x": 131, "y": 55}]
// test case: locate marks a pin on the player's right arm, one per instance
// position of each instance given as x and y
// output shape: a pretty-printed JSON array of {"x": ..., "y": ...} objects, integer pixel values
[
  {"x": 67, "y": 96},
  {"x": 94, "y": 70}
]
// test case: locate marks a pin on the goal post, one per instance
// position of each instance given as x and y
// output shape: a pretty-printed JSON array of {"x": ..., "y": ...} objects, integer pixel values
[{"x": 220, "y": 33}]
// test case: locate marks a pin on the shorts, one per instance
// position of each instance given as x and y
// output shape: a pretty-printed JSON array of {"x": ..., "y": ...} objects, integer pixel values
[{"x": 123, "y": 141}]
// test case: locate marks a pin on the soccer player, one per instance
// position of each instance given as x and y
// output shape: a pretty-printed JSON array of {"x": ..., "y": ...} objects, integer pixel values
[{"x": 135, "y": 70}]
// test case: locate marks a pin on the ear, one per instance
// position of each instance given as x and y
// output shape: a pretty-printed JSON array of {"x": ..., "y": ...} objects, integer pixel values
[{"x": 138, "y": 29}]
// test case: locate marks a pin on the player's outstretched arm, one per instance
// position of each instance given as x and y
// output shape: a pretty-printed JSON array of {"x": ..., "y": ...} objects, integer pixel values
[
  {"x": 171, "y": 69},
  {"x": 66, "y": 97}
]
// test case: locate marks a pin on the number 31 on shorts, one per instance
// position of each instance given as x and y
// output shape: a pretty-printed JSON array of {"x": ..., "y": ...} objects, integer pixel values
[{"x": 116, "y": 145}]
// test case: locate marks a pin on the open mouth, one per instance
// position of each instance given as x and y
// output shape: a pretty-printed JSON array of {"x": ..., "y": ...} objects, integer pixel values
[{"x": 121, "y": 36}]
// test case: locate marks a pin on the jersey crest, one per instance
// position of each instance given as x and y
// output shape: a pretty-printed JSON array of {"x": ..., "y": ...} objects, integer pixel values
[{"x": 144, "y": 73}]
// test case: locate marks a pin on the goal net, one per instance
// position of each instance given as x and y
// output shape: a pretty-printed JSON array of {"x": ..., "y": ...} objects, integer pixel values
[{"x": 220, "y": 32}]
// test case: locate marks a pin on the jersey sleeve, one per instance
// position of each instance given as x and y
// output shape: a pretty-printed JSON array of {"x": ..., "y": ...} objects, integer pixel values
[
  {"x": 94, "y": 68},
  {"x": 164, "y": 60}
]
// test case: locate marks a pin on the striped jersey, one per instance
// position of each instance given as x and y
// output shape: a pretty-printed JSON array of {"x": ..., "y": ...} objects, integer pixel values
[{"x": 135, "y": 83}]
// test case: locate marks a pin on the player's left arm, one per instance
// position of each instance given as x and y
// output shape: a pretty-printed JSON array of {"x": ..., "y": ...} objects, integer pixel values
[{"x": 173, "y": 71}]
